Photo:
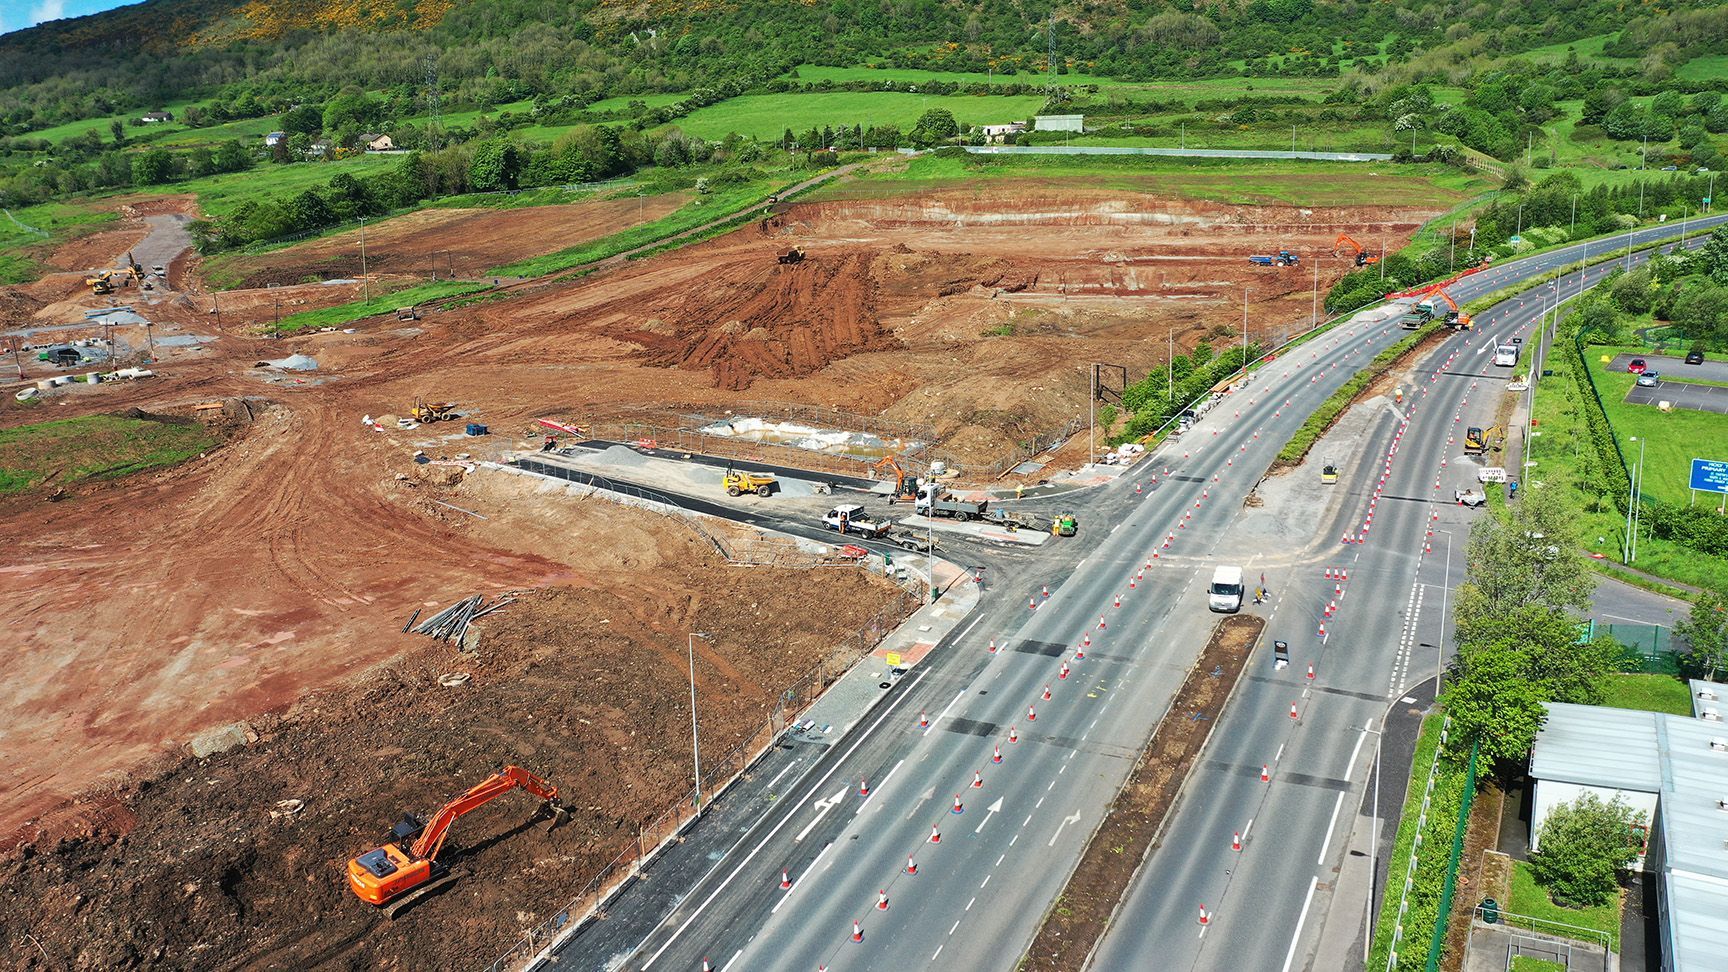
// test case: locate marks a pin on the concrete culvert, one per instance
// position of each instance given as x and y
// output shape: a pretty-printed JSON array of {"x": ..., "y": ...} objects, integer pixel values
[{"x": 454, "y": 679}]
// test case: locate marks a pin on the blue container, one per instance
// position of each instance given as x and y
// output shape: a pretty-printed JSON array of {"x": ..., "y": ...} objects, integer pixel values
[{"x": 475, "y": 428}]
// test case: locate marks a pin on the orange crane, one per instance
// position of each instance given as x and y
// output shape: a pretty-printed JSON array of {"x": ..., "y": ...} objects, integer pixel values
[
  {"x": 383, "y": 876},
  {"x": 901, "y": 491},
  {"x": 1363, "y": 257}
]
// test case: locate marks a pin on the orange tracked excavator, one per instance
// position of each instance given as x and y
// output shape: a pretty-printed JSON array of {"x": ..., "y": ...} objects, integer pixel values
[
  {"x": 1362, "y": 257},
  {"x": 903, "y": 487},
  {"x": 397, "y": 874}
]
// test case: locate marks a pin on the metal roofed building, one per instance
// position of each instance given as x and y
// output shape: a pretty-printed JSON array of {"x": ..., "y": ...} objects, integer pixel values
[{"x": 1676, "y": 769}]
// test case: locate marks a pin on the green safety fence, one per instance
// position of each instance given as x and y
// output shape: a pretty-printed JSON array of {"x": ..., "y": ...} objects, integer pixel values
[
  {"x": 1438, "y": 943},
  {"x": 1648, "y": 647}
]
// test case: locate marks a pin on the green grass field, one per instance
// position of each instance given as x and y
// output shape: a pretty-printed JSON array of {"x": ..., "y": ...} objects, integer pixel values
[
  {"x": 1245, "y": 182},
  {"x": 1710, "y": 67},
  {"x": 381, "y": 304},
  {"x": 1329, "y": 136},
  {"x": 696, "y": 212},
  {"x": 219, "y": 195},
  {"x": 1588, "y": 48},
  {"x": 767, "y": 116},
  {"x": 59, "y": 221},
  {"x": 1671, "y": 439},
  {"x": 622, "y": 102},
  {"x": 1529, "y": 899},
  {"x": 813, "y": 73},
  {"x": 1648, "y": 693},
  {"x": 1530, "y": 963},
  {"x": 95, "y": 447}
]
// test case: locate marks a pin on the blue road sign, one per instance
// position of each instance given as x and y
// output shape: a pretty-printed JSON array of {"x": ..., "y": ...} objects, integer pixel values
[{"x": 1710, "y": 475}]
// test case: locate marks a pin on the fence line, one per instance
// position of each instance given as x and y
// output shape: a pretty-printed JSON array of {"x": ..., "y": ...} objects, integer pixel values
[
  {"x": 1416, "y": 847},
  {"x": 1437, "y": 945},
  {"x": 655, "y": 835}
]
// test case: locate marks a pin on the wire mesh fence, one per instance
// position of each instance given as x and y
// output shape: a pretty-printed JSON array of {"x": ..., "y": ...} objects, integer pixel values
[
  {"x": 724, "y": 770},
  {"x": 1648, "y": 648}
]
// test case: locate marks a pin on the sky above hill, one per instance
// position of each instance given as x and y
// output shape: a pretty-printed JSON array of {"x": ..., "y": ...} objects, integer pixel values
[{"x": 19, "y": 14}]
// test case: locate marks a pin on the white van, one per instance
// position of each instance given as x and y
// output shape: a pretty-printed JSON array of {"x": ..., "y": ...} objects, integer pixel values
[
  {"x": 1225, "y": 594},
  {"x": 1506, "y": 356}
]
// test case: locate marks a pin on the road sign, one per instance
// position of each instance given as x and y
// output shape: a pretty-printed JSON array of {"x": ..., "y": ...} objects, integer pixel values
[{"x": 1710, "y": 475}]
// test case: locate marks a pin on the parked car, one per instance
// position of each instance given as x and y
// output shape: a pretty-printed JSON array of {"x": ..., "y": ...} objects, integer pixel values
[
  {"x": 1694, "y": 357},
  {"x": 1648, "y": 379},
  {"x": 1637, "y": 366}
]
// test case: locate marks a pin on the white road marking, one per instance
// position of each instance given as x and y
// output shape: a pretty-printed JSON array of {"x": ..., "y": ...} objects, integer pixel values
[
  {"x": 730, "y": 961},
  {"x": 974, "y": 901},
  {"x": 1329, "y": 825},
  {"x": 801, "y": 878},
  {"x": 956, "y": 925},
  {"x": 1071, "y": 819},
  {"x": 783, "y": 822},
  {"x": 1247, "y": 827},
  {"x": 879, "y": 787},
  {"x": 952, "y": 704},
  {"x": 777, "y": 776},
  {"x": 822, "y": 808},
  {"x": 1296, "y": 939},
  {"x": 936, "y": 953},
  {"x": 1280, "y": 754},
  {"x": 1350, "y": 767}
]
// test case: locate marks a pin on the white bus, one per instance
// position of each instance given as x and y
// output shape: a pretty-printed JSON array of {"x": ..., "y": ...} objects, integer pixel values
[{"x": 1506, "y": 356}]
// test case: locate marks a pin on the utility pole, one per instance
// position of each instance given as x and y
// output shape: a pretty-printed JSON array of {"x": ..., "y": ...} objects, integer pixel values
[
  {"x": 1091, "y": 417},
  {"x": 365, "y": 282},
  {"x": 1382, "y": 260},
  {"x": 1452, "y": 259},
  {"x": 1574, "y": 214},
  {"x": 1314, "y": 309},
  {"x": 1244, "y": 332},
  {"x": 695, "y": 739}
]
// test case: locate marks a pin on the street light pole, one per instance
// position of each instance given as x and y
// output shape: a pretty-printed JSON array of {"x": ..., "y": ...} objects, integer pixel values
[
  {"x": 1314, "y": 309},
  {"x": 695, "y": 739},
  {"x": 365, "y": 284},
  {"x": 1638, "y": 499}
]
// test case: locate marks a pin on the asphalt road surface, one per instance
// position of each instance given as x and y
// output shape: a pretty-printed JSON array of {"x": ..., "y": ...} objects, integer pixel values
[
  {"x": 1676, "y": 367},
  {"x": 976, "y": 897},
  {"x": 1679, "y": 394}
]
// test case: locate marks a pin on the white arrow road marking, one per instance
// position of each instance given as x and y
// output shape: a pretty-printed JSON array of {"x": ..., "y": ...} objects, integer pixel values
[
  {"x": 989, "y": 812},
  {"x": 929, "y": 794},
  {"x": 822, "y": 808},
  {"x": 1074, "y": 819}
]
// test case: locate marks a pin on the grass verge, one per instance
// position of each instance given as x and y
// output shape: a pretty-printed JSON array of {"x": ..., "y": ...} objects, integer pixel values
[
  {"x": 1432, "y": 859},
  {"x": 1530, "y": 900},
  {"x": 1335, "y": 404},
  {"x": 95, "y": 447},
  {"x": 382, "y": 304}
]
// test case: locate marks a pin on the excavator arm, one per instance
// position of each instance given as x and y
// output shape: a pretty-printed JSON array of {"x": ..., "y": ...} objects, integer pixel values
[
  {"x": 1346, "y": 242},
  {"x": 888, "y": 462},
  {"x": 432, "y": 838}
]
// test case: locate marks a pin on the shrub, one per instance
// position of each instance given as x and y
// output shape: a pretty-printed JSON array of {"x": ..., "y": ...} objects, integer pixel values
[{"x": 1585, "y": 847}]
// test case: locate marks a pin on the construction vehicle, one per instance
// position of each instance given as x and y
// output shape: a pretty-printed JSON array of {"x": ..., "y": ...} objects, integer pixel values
[
  {"x": 794, "y": 255},
  {"x": 425, "y": 412},
  {"x": 850, "y": 518},
  {"x": 1362, "y": 257},
  {"x": 913, "y": 540},
  {"x": 134, "y": 268},
  {"x": 1455, "y": 316},
  {"x": 1064, "y": 525},
  {"x": 1478, "y": 441},
  {"x": 739, "y": 481},
  {"x": 903, "y": 487},
  {"x": 1284, "y": 259},
  {"x": 933, "y": 502},
  {"x": 386, "y": 875},
  {"x": 100, "y": 283},
  {"x": 1329, "y": 474}
]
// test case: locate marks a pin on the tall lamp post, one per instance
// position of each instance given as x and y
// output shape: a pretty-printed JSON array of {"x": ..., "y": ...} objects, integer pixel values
[
  {"x": 1634, "y": 493},
  {"x": 695, "y": 740}
]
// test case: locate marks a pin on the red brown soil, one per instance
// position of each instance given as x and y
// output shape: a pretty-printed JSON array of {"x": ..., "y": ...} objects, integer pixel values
[
  {"x": 563, "y": 683},
  {"x": 283, "y": 564},
  {"x": 1128, "y": 831},
  {"x": 463, "y": 243},
  {"x": 1480, "y": 834}
]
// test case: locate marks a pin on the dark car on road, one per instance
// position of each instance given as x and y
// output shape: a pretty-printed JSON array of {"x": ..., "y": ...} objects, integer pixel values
[
  {"x": 1694, "y": 357},
  {"x": 1637, "y": 366}
]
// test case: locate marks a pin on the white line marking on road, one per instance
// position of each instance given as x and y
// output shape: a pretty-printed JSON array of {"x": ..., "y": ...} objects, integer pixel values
[
  {"x": 1350, "y": 766},
  {"x": 936, "y": 953},
  {"x": 1296, "y": 939},
  {"x": 1061, "y": 769},
  {"x": 1014, "y": 838},
  {"x": 952, "y": 704},
  {"x": 1247, "y": 827},
  {"x": 999, "y": 860},
  {"x": 1280, "y": 754},
  {"x": 1093, "y": 726},
  {"x": 731, "y": 960},
  {"x": 777, "y": 776},
  {"x": 879, "y": 787},
  {"x": 1040, "y": 803},
  {"x": 1329, "y": 825},
  {"x": 1052, "y": 786},
  {"x": 974, "y": 901},
  {"x": 783, "y": 822},
  {"x": 801, "y": 878},
  {"x": 956, "y": 925},
  {"x": 968, "y": 629},
  {"x": 990, "y": 811}
]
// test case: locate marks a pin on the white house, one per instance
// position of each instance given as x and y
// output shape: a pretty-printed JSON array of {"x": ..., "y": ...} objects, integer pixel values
[
  {"x": 1059, "y": 123},
  {"x": 1674, "y": 768},
  {"x": 274, "y": 139},
  {"x": 995, "y": 133},
  {"x": 377, "y": 143},
  {"x": 152, "y": 117}
]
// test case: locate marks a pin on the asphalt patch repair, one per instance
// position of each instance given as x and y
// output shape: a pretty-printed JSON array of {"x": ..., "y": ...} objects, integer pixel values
[{"x": 1130, "y": 828}]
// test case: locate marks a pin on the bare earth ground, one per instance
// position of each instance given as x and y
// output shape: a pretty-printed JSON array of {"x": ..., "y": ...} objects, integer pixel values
[
  {"x": 451, "y": 242},
  {"x": 285, "y": 563}
]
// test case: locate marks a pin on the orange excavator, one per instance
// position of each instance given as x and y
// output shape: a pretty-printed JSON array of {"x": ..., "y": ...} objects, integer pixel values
[
  {"x": 1363, "y": 257},
  {"x": 903, "y": 491},
  {"x": 1456, "y": 318},
  {"x": 397, "y": 874}
]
